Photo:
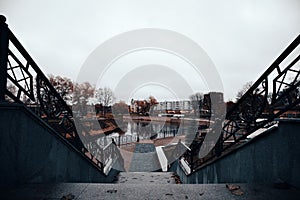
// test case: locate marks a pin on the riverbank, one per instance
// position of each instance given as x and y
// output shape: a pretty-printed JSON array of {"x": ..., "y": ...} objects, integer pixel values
[
  {"x": 101, "y": 126},
  {"x": 201, "y": 121}
]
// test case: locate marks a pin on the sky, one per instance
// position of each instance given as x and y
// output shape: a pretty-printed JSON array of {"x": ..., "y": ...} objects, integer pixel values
[{"x": 240, "y": 37}]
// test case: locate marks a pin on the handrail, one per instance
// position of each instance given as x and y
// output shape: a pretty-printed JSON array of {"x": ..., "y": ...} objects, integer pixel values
[
  {"x": 254, "y": 110},
  {"x": 18, "y": 70}
]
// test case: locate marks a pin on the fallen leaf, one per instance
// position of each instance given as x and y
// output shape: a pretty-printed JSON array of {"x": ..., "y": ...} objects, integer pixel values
[
  {"x": 235, "y": 189},
  {"x": 68, "y": 197}
]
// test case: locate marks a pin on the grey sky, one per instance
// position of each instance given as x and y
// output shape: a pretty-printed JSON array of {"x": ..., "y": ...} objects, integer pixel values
[{"x": 242, "y": 37}]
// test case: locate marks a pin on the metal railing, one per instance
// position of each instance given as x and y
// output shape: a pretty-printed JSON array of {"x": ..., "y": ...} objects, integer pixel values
[
  {"x": 257, "y": 108},
  {"x": 22, "y": 81}
]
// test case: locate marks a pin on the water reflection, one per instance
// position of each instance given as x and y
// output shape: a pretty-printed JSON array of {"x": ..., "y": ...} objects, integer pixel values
[{"x": 136, "y": 131}]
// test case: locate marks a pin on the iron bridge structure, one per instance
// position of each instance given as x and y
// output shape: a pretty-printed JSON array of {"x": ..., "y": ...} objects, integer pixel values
[
  {"x": 274, "y": 93},
  {"x": 23, "y": 82}
]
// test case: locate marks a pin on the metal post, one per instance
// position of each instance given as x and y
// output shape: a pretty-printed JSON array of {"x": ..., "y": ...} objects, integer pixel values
[
  {"x": 192, "y": 161},
  {"x": 3, "y": 56}
]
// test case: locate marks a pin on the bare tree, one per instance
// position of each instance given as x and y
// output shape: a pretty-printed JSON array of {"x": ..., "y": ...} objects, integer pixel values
[
  {"x": 105, "y": 96},
  {"x": 242, "y": 91},
  {"x": 12, "y": 89},
  {"x": 196, "y": 102}
]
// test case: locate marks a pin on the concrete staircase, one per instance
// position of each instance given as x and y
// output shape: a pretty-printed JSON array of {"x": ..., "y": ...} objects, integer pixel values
[{"x": 144, "y": 159}]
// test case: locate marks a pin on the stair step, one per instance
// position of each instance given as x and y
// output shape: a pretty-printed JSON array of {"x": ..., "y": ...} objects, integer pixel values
[
  {"x": 147, "y": 178},
  {"x": 145, "y": 191}
]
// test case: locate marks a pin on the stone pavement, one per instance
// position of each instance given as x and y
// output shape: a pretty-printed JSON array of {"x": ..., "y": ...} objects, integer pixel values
[{"x": 145, "y": 191}]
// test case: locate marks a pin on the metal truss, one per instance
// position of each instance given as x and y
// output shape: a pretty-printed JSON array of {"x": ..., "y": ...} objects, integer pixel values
[
  {"x": 23, "y": 82},
  {"x": 274, "y": 93}
]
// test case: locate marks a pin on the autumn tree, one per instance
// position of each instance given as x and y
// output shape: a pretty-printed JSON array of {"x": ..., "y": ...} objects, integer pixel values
[
  {"x": 63, "y": 85},
  {"x": 152, "y": 102},
  {"x": 81, "y": 94},
  {"x": 120, "y": 108},
  {"x": 144, "y": 107}
]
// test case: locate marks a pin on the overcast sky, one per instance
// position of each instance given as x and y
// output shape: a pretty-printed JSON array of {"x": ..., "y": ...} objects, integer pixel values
[{"x": 241, "y": 37}]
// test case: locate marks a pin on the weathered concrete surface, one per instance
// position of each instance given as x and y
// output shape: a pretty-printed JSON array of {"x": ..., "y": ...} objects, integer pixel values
[
  {"x": 146, "y": 178},
  {"x": 273, "y": 156},
  {"x": 31, "y": 152},
  {"x": 147, "y": 191},
  {"x": 144, "y": 158}
]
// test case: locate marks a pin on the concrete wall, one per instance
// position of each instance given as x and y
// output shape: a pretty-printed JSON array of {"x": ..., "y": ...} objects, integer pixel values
[
  {"x": 270, "y": 157},
  {"x": 31, "y": 152}
]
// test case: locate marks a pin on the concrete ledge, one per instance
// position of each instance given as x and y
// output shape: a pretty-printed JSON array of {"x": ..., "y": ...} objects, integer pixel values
[
  {"x": 32, "y": 152},
  {"x": 162, "y": 158},
  {"x": 272, "y": 156}
]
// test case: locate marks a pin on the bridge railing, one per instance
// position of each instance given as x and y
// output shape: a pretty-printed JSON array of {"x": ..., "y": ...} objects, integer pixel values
[
  {"x": 22, "y": 81},
  {"x": 274, "y": 93}
]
